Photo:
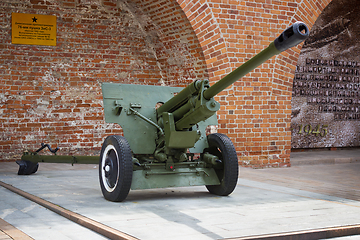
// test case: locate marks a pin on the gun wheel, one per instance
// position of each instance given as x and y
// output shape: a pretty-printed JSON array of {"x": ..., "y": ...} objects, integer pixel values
[
  {"x": 221, "y": 146},
  {"x": 115, "y": 168}
]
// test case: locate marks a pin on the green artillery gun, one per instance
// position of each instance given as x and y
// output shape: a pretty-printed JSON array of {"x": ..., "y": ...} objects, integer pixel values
[{"x": 165, "y": 142}]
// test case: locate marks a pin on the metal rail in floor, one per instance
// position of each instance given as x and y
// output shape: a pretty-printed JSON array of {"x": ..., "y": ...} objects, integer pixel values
[
  {"x": 112, "y": 233},
  {"x": 95, "y": 226}
]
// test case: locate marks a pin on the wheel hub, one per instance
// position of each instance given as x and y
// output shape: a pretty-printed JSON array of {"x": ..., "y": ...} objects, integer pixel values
[{"x": 108, "y": 167}]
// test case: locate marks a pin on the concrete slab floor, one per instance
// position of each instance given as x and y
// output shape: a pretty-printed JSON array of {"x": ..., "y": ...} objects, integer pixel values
[
  {"x": 265, "y": 201},
  {"x": 315, "y": 156}
]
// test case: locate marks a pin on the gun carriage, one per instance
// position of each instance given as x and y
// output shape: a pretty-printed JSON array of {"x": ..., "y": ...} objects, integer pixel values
[{"x": 164, "y": 127}]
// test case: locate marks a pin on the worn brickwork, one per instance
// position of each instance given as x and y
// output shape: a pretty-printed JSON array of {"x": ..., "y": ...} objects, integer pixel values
[
  {"x": 52, "y": 94},
  {"x": 256, "y": 111}
]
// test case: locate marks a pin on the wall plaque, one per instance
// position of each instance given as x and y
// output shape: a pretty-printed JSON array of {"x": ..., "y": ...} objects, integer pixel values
[
  {"x": 33, "y": 29},
  {"x": 326, "y": 87}
]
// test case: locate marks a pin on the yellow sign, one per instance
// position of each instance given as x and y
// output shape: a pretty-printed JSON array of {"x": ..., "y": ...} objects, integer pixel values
[{"x": 33, "y": 29}]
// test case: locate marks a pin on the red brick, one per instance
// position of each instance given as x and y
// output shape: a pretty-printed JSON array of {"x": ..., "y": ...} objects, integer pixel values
[{"x": 61, "y": 82}]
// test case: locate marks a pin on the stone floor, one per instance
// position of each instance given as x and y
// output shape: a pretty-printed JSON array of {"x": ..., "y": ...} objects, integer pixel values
[{"x": 265, "y": 201}]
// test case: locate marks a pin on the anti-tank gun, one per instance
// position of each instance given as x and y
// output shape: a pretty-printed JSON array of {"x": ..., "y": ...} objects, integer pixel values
[
  {"x": 164, "y": 127},
  {"x": 163, "y": 140}
]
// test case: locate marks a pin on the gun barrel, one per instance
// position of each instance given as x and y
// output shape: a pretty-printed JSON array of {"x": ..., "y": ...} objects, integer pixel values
[
  {"x": 292, "y": 36},
  {"x": 179, "y": 99}
]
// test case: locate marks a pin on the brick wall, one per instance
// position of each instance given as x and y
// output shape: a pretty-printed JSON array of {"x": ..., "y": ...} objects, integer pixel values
[
  {"x": 52, "y": 94},
  {"x": 255, "y": 111}
]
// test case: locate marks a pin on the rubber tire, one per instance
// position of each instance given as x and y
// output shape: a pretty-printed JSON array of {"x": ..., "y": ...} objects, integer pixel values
[
  {"x": 221, "y": 146},
  {"x": 121, "y": 159}
]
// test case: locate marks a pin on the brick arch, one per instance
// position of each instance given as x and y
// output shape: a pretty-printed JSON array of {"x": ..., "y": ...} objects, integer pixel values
[
  {"x": 52, "y": 94},
  {"x": 256, "y": 111}
]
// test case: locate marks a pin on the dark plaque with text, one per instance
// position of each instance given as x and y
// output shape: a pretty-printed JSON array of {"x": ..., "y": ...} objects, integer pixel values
[{"x": 326, "y": 87}]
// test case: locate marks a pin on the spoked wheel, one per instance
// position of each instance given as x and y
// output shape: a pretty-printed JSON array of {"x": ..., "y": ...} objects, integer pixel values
[
  {"x": 115, "y": 168},
  {"x": 221, "y": 146}
]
